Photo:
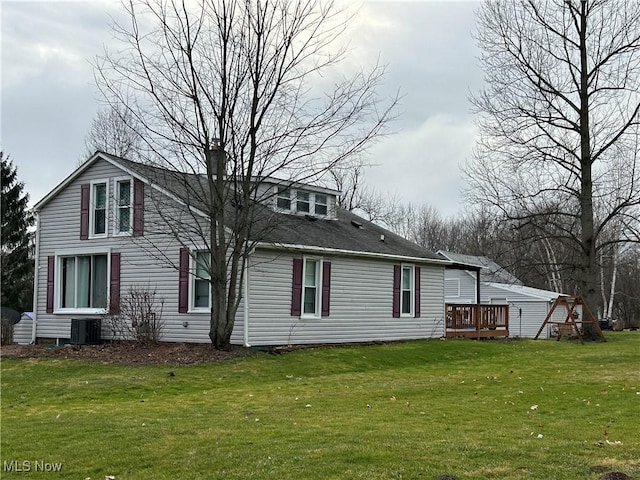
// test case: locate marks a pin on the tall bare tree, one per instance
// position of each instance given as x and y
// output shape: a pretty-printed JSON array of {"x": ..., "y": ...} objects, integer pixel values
[
  {"x": 114, "y": 130},
  {"x": 561, "y": 106},
  {"x": 230, "y": 91}
]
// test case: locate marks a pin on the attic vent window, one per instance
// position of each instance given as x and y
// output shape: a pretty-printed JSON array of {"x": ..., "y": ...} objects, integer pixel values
[
  {"x": 356, "y": 224},
  {"x": 382, "y": 238}
]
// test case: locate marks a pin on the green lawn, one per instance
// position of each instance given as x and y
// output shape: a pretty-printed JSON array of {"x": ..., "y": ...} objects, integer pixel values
[{"x": 416, "y": 410}]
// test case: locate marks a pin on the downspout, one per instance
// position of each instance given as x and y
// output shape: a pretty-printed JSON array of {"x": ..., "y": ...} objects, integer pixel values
[
  {"x": 35, "y": 280},
  {"x": 246, "y": 300}
]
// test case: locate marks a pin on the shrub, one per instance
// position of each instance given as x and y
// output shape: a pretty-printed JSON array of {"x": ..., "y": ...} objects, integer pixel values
[{"x": 139, "y": 317}]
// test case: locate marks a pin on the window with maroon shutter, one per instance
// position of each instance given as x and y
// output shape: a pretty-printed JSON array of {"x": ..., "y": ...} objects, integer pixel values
[
  {"x": 114, "y": 284},
  {"x": 183, "y": 281},
  {"x": 84, "y": 211},
  {"x": 417, "y": 292},
  {"x": 51, "y": 262},
  {"x": 138, "y": 208},
  {"x": 296, "y": 288},
  {"x": 326, "y": 288},
  {"x": 396, "y": 290}
]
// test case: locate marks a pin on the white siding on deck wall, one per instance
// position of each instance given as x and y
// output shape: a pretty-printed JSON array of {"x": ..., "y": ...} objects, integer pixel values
[
  {"x": 361, "y": 303},
  {"x": 467, "y": 286}
]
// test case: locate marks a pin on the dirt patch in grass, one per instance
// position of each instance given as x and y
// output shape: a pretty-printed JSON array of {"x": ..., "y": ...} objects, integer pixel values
[{"x": 130, "y": 353}]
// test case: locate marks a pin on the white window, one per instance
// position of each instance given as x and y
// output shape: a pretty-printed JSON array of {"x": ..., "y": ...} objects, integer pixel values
[
  {"x": 302, "y": 202},
  {"x": 124, "y": 218},
  {"x": 311, "y": 281},
  {"x": 283, "y": 201},
  {"x": 201, "y": 281},
  {"x": 320, "y": 207},
  {"x": 407, "y": 290},
  {"x": 83, "y": 282},
  {"x": 99, "y": 204}
]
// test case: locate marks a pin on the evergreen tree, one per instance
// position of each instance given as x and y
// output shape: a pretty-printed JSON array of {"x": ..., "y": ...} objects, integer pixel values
[{"x": 17, "y": 261}]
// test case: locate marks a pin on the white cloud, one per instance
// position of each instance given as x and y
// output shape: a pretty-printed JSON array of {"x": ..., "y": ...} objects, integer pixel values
[
  {"x": 422, "y": 165},
  {"x": 48, "y": 97}
]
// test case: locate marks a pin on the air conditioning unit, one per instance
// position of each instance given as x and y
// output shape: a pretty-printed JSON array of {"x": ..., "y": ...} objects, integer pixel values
[{"x": 86, "y": 331}]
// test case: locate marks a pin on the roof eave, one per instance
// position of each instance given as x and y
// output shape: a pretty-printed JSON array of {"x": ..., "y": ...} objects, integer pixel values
[{"x": 356, "y": 253}]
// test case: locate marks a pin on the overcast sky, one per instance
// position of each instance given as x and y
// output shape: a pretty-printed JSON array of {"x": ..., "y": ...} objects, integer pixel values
[{"x": 49, "y": 99}]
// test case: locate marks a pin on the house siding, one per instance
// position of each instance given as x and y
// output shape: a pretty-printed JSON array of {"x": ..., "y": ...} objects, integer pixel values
[
  {"x": 361, "y": 303},
  {"x": 149, "y": 260},
  {"x": 467, "y": 286},
  {"x": 361, "y": 289}
]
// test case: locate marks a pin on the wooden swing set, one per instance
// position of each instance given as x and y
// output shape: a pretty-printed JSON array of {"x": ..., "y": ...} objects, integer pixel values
[{"x": 570, "y": 324}]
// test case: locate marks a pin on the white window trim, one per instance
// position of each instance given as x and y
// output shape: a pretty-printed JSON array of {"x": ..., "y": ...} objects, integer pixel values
[
  {"x": 291, "y": 199},
  {"x": 318, "y": 312},
  {"x": 116, "y": 207},
  {"x": 326, "y": 204},
  {"x": 59, "y": 255},
  {"x": 92, "y": 209},
  {"x": 309, "y": 201},
  {"x": 412, "y": 290},
  {"x": 192, "y": 284}
]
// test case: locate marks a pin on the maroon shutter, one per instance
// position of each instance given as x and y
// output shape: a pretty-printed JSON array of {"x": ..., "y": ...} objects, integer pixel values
[
  {"x": 183, "y": 282},
  {"x": 417, "y": 292},
  {"x": 296, "y": 290},
  {"x": 326, "y": 288},
  {"x": 114, "y": 285},
  {"x": 51, "y": 265},
  {"x": 396, "y": 290},
  {"x": 84, "y": 211},
  {"x": 138, "y": 208}
]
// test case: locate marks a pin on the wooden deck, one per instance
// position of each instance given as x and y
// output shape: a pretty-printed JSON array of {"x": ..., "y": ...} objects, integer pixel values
[{"x": 477, "y": 321}]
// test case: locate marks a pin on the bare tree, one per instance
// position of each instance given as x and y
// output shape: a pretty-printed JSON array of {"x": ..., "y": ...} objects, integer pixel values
[
  {"x": 561, "y": 106},
  {"x": 114, "y": 130},
  {"x": 225, "y": 92}
]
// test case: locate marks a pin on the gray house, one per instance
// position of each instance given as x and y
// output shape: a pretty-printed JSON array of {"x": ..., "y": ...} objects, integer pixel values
[
  {"x": 528, "y": 307},
  {"x": 320, "y": 275}
]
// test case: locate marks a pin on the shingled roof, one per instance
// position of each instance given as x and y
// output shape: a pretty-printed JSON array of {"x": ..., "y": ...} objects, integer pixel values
[
  {"x": 490, "y": 271},
  {"x": 347, "y": 233}
]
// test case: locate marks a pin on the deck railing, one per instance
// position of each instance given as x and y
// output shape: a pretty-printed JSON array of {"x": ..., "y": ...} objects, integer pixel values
[{"x": 477, "y": 320}]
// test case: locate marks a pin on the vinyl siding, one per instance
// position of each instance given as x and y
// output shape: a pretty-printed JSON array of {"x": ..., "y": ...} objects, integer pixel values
[
  {"x": 361, "y": 303},
  {"x": 361, "y": 289},
  {"x": 534, "y": 311},
  {"x": 467, "y": 288},
  {"x": 150, "y": 261}
]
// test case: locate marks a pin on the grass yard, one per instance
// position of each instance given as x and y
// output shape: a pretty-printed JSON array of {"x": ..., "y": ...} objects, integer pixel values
[{"x": 416, "y": 410}]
